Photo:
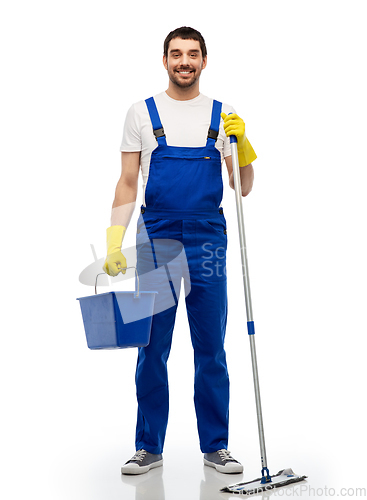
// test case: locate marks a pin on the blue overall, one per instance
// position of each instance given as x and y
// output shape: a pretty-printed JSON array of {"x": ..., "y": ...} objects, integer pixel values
[{"x": 182, "y": 233}]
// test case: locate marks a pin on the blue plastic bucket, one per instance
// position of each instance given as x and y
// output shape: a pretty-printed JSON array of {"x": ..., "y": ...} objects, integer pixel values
[{"x": 117, "y": 320}]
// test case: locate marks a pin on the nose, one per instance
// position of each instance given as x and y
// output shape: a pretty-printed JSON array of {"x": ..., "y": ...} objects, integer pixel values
[{"x": 185, "y": 60}]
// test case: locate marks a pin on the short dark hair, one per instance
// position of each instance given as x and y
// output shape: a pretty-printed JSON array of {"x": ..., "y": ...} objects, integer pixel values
[{"x": 185, "y": 33}]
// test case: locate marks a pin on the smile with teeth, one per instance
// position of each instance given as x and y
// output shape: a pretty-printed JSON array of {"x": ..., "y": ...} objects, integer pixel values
[{"x": 184, "y": 72}]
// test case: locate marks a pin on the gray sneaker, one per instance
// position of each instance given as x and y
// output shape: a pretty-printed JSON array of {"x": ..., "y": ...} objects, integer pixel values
[
  {"x": 222, "y": 461},
  {"x": 142, "y": 462}
]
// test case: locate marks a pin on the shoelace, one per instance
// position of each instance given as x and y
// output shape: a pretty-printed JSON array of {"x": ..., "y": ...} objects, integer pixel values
[
  {"x": 225, "y": 455},
  {"x": 139, "y": 456}
]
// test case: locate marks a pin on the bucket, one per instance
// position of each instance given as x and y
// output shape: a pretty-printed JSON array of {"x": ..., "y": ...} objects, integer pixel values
[{"x": 117, "y": 320}]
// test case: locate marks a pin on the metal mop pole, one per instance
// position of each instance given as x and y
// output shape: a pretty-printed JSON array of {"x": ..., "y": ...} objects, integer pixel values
[{"x": 250, "y": 322}]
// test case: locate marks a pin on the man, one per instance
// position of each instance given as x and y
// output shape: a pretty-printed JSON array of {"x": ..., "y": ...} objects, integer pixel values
[{"x": 179, "y": 138}]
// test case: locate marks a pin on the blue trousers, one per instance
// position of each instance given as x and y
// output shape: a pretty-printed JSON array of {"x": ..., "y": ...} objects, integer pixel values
[{"x": 169, "y": 250}]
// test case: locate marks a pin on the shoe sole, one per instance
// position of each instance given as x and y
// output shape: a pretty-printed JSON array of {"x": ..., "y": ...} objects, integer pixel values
[
  {"x": 141, "y": 470},
  {"x": 225, "y": 469}
]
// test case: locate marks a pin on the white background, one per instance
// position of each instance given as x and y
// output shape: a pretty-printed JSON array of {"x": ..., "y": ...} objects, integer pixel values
[{"x": 295, "y": 71}]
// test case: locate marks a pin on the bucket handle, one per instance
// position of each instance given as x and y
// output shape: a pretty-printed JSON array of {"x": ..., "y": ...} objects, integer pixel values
[{"x": 137, "y": 280}]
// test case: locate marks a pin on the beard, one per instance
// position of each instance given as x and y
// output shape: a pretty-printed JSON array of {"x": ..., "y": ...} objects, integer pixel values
[{"x": 184, "y": 82}]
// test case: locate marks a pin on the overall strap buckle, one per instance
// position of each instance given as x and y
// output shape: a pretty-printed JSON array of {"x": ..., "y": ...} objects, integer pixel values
[
  {"x": 159, "y": 132},
  {"x": 213, "y": 134}
]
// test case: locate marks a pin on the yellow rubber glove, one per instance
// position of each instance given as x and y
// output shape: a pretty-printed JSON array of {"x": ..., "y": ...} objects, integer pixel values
[
  {"x": 115, "y": 261},
  {"x": 234, "y": 125}
]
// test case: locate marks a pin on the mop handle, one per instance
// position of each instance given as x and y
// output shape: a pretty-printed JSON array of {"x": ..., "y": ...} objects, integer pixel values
[
  {"x": 246, "y": 283},
  {"x": 241, "y": 227}
]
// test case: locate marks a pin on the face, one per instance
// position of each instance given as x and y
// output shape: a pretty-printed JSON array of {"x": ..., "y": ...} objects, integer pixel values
[{"x": 184, "y": 62}]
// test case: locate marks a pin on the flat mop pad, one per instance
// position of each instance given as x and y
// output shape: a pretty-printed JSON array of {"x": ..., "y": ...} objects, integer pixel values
[{"x": 283, "y": 478}]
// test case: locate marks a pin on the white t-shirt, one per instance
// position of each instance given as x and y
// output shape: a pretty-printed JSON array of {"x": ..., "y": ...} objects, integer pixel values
[{"x": 185, "y": 123}]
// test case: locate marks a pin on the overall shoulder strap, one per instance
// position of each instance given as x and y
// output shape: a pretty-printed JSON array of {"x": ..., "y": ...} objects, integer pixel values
[
  {"x": 158, "y": 130},
  {"x": 215, "y": 122}
]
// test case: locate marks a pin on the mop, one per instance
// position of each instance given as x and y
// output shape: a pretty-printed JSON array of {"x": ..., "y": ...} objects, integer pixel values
[{"x": 285, "y": 476}]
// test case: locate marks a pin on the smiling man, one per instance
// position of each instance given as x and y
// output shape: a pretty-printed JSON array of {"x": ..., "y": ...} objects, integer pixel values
[{"x": 179, "y": 140}]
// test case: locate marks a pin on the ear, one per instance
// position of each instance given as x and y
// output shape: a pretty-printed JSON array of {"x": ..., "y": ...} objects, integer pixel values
[
  {"x": 205, "y": 60},
  {"x": 165, "y": 61}
]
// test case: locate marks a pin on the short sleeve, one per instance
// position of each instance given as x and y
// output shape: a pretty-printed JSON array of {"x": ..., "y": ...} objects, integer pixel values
[
  {"x": 227, "y": 147},
  {"x": 131, "y": 138}
]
